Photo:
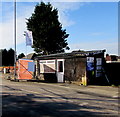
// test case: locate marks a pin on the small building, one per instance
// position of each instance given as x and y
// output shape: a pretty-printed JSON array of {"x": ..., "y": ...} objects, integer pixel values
[
  {"x": 108, "y": 57},
  {"x": 111, "y": 58},
  {"x": 80, "y": 67},
  {"x": 7, "y": 69}
]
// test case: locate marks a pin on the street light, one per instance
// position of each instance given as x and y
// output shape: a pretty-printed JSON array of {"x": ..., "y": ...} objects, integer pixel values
[{"x": 15, "y": 39}]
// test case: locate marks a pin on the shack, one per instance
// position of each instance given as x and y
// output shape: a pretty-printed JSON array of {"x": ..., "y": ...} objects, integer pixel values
[{"x": 81, "y": 67}]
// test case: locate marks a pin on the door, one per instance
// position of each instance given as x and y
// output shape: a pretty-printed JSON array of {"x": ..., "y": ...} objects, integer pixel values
[{"x": 60, "y": 70}]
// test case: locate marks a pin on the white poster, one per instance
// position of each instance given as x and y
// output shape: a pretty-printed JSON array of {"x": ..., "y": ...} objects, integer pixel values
[
  {"x": 98, "y": 67},
  {"x": 90, "y": 59},
  {"x": 99, "y": 61},
  {"x": 29, "y": 38}
]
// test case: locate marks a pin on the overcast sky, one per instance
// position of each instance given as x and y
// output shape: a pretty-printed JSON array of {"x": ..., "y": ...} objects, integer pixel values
[{"x": 91, "y": 25}]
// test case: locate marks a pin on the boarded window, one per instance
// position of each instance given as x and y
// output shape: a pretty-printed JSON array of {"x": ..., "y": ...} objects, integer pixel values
[
  {"x": 42, "y": 61},
  {"x": 47, "y": 66},
  {"x": 50, "y": 61}
]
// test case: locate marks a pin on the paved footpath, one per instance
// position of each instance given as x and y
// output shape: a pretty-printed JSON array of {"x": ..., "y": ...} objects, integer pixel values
[{"x": 32, "y": 99}]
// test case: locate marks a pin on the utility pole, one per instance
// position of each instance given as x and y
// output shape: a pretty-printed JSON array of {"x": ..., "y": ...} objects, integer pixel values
[{"x": 15, "y": 39}]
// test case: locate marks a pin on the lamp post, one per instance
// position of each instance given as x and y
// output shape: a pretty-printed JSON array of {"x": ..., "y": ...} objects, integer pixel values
[{"x": 15, "y": 39}]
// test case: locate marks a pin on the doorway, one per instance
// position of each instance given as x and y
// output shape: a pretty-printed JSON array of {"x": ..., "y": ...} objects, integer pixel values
[{"x": 60, "y": 70}]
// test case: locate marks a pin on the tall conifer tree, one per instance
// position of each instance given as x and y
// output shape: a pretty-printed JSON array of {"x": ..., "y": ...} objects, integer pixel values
[{"x": 48, "y": 35}]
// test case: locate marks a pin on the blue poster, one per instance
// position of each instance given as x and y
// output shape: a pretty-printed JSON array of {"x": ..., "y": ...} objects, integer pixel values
[
  {"x": 31, "y": 66},
  {"x": 90, "y": 63}
]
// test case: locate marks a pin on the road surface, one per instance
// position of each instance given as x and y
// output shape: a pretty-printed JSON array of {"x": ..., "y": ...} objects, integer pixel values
[{"x": 32, "y": 99}]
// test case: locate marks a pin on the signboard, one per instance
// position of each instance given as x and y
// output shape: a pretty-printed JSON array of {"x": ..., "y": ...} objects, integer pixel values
[
  {"x": 31, "y": 66},
  {"x": 90, "y": 63},
  {"x": 98, "y": 67},
  {"x": 98, "y": 61}
]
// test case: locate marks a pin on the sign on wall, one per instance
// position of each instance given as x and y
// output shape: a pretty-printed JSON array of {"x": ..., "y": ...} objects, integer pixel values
[
  {"x": 90, "y": 63},
  {"x": 31, "y": 66},
  {"x": 98, "y": 61},
  {"x": 98, "y": 67}
]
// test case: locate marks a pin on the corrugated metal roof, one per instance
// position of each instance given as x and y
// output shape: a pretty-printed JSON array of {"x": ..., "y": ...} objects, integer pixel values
[{"x": 70, "y": 55}]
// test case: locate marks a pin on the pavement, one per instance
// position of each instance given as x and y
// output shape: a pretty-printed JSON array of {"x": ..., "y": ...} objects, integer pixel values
[
  {"x": 37, "y": 99},
  {"x": 101, "y": 90}
]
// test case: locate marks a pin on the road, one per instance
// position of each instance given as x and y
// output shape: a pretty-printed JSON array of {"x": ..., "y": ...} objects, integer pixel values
[{"x": 32, "y": 99}]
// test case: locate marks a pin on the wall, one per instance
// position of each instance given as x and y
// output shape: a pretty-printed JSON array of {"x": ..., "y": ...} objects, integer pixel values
[
  {"x": 75, "y": 69},
  {"x": 23, "y": 73}
]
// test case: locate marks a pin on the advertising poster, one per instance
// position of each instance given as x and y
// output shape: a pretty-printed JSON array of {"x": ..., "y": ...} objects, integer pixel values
[
  {"x": 98, "y": 67},
  {"x": 90, "y": 63}
]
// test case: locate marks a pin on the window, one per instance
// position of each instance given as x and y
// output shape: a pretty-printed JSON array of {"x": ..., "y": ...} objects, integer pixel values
[
  {"x": 60, "y": 66},
  {"x": 51, "y": 61},
  {"x": 42, "y": 61}
]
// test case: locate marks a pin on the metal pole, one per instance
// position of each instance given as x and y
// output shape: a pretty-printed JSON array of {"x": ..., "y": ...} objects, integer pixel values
[
  {"x": 26, "y": 51},
  {"x": 15, "y": 39}
]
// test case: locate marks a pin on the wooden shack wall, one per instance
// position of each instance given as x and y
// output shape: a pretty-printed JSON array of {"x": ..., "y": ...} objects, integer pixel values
[
  {"x": 75, "y": 69},
  {"x": 112, "y": 71}
]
